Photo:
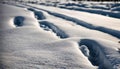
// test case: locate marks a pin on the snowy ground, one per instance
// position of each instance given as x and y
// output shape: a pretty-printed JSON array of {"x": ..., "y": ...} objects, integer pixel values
[{"x": 45, "y": 37}]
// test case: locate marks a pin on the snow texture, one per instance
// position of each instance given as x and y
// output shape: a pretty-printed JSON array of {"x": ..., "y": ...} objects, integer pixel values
[{"x": 50, "y": 37}]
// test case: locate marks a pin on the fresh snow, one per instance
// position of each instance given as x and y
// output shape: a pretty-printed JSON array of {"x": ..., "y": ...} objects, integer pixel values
[{"x": 45, "y": 37}]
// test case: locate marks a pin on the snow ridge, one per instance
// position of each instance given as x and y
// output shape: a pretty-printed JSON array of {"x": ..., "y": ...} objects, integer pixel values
[
  {"x": 105, "y": 13},
  {"x": 112, "y": 32}
]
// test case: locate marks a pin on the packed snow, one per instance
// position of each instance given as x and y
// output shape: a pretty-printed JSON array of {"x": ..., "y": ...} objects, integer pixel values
[{"x": 35, "y": 36}]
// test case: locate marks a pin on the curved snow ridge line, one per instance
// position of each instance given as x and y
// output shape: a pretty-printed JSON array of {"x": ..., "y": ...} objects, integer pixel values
[
  {"x": 111, "y": 14},
  {"x": 93, "y": 51},
  {"x": 38, "y": 14},
  {"x": 47, "y": 25},
  {"x": 18, "y": 21},
  {"x": 112, "y": 32},
  {"x": 84, "y": 6},
  {"x": 18, "y": 5}
]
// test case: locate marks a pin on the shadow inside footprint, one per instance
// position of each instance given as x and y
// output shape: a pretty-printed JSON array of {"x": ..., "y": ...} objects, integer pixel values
[
  {"x": 47, "y": 25},
  {"x": 18, "y": 21},
  {"x": 38, "y": 14}
]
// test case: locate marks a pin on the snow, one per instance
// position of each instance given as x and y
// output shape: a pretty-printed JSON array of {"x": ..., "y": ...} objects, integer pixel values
[
  {"x": 40, "y": 37},
  {"x": 86, "y": 17}
]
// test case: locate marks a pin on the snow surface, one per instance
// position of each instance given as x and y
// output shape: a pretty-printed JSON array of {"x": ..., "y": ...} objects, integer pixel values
[{"x": 44, "y": 37}]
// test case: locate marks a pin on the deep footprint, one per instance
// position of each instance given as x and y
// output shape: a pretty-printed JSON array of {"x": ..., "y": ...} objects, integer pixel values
[
  {"x": 47, "y": 25},
  {"x": 96, "y": 56},
  {"x": 18, "y": 21},
  {"x": 38, "y": 14}
]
